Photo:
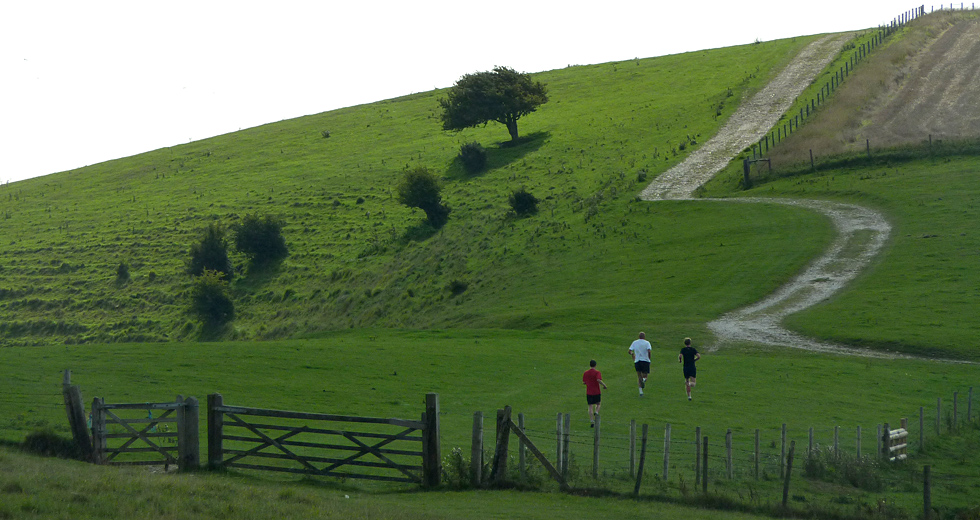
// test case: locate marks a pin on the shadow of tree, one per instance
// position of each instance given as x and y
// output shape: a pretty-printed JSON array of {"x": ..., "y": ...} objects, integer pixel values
[{"x": 499, "y": 156}]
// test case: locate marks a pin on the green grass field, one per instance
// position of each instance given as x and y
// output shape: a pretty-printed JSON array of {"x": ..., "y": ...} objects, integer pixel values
[{"x": 360, "y": 320}]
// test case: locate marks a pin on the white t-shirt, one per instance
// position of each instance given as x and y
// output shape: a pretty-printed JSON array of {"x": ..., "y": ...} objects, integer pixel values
[{"x": 641, "y": 350}]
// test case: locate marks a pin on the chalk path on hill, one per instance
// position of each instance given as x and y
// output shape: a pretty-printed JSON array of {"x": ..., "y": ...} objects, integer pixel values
[{"x": 861, "y": 232}]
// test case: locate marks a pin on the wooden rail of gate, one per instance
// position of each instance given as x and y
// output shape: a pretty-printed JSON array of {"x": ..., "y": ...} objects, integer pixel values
[
  {"x": 170, "y": 438},
  {"x": 285, "y": 441}
]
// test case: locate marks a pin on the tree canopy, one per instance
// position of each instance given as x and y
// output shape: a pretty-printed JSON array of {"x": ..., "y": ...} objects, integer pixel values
[
  {"x": 502, "y": 95},
  {"x": 419, "y": 188}
]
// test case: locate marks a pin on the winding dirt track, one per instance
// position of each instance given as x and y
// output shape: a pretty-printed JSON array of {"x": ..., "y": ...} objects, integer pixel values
[{"x": 861, "y": 232}]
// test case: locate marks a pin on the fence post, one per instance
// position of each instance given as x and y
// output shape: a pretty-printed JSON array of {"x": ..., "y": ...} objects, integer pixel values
[
  {"x": 969, "y": 405},
  {"x": 498, "y": 474},
  {"x": 476, "y": 450},
  {"x": 558, "y": 429},
  {"x": 939, "y": 415},
  {"x": 98, "y": 431},
  {"x": 432, "y": 454},
  {"x": 789, "y": 473},
  {"x": 728, "y": 454},
  {"x": 836, "y": 442},
  {"x": 215, "y": 431},
  {"x": 782, "y": 453},
  {"x": 565, "y": 436},
  {"x": 757, "y": 454},
  {"x": 955, "y": 414},
  {"x": 633, "y": 448},
  {"x": 858, "y": 445},
  {"x": 879, "y": 440},
  {"x": 188, "y": 442},
  {"x": 809, "y": 451},
  {"x": 522, "y": 449},
  {"x": 666, "y": 450},
  {"x": 595, "y": 448},
  {"x": 704, "y": 466},
  {"x": 697, "y": 456},
  {"x": 886, "y": 444},
  {"x": 922, "y": 428},
  {"x": 643, "y": 456},
  {"x": 926, "y": 493},
  {"x": 76, "y": 416}
]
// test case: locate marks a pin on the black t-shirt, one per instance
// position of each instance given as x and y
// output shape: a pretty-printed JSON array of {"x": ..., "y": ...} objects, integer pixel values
[{"x": 688, "y": 353}]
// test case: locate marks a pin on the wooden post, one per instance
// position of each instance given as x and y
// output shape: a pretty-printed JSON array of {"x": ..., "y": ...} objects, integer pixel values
[
  {"x": 99, "y": 443},
  {"x": 595, "y": 447},
  {"x": 809, "y": 450},
  {"x": 922, "y": 428},
  {"x": 858, "y": 444},
  {"x": 540, "y": 456},
  {"x": 498, "y": 473},
  {"x": 666, "y": 450},
  {"x": 757, "y": 453},
  {"x": 886, "y": 445},
  {"x": 926, "y": 492},
  {"x": 812, "y": 166},
  {"x": 782, "y": 453},
  {"x": 643, "y": 456},
  {"x": 836, "y": 442},
  {"x": 76, "y": 418},
  {"x": 633, "y": 448},
  {"x": 955, "y": 414},
  {"x": 728, "y": 454},
  {"x": 789, "y": 473},
  {"x": 476, "y": 450},
  {"x": 215, "y": 431},
  {"x": 188, "y": 441},
  {"x": 704, "y": 465},
  {"x": 879, "y": 440},
  {"x": 566, "y": 435},
  {"x": 745, "y": 174},
  {"x": 939, "y": 415},
  {"x": 969, "y": 405},
  {"x": 522, "y": 449},
  {"x": 558, "y": 432},
  {"x": 697, "y": 456},
  {"x": 432, "y": 453}
]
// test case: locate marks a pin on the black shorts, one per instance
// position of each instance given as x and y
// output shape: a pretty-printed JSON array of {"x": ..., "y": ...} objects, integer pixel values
[
  {"x": 593, "y": 399},
  {"x": 642, "y": 366},
  {"x": 690, "y": 371}
]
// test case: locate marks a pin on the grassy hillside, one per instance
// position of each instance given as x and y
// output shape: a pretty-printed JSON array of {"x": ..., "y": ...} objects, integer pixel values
[{"x": 592, "y": 259}]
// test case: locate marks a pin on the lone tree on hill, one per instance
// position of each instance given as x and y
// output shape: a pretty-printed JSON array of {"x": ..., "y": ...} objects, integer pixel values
[
  {"x": 211, "y": 253},
  {"x": 261, "y": 240},
  {"x": 503, "y": 95},
  {"x": 419, "y": 188}
]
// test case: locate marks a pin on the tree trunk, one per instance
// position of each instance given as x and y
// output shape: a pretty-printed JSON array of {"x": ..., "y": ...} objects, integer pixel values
[{"x": 512, "y": 128}]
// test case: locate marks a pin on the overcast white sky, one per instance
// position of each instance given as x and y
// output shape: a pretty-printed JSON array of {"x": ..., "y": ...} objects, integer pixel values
[{"x": 83, "y": 82}]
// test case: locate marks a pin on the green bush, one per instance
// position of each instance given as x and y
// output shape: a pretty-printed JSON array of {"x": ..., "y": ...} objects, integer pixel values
[
  {"x": 49, "y": 444},
  {"x": 211, "y": 253},
  {"x": 419, "y": 188},
  {"x": 260, "y": 239},
  {"x": 523, "y": 203},
  {"x": 122, "y": 272},
  {"x": 473, "y": 156},
  {"x": 210, "y": 301}
]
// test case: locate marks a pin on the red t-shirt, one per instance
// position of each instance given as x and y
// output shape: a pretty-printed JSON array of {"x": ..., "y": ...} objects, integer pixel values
[{"x": 591, "y": 379}]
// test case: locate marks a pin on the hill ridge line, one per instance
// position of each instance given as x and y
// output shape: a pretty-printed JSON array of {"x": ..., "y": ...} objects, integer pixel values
[{"x": 861, "y": 232}]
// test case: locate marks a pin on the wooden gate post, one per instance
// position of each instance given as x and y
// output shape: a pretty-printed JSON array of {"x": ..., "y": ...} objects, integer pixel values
[
  {"x": 476, "y": 450},
  {"x": 76, "y": 417},
  {"x": 188, "y": 440},
  {"x": 643, "y": 457},
  {"x": 98, "y": 431},
  {"x": 498, "y": 474},
  {"x": 215, "y": 431},
  {"x": 432, "y": 455}
]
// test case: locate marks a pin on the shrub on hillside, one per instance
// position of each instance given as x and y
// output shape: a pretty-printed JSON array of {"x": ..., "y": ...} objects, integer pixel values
[
  {"x": 419, "y": 188},
  {"x": 210, "y": 301},
  {"x": 523, "y": 203},
  {"x": 49, "y": 444},
  {"x": 122, "y": 272},
  {"x": 211, "y": 253},
  {"x": 473, "y": 156},
  {"x": 261, "y": 240}
]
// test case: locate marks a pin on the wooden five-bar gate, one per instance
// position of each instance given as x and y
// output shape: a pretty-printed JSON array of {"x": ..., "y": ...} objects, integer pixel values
[
  {"x": 396, "y": 450},
  {"x": 129, "y": 434}
]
